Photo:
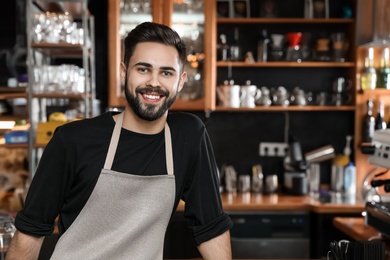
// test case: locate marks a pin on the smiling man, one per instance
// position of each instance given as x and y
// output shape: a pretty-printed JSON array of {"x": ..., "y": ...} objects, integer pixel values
[{"x": 115, "y": 180}]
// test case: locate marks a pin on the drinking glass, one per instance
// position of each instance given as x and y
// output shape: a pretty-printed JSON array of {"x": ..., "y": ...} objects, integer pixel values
[{"x": 340, "y": 46}]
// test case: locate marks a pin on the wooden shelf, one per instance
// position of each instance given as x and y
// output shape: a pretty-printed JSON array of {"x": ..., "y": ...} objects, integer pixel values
[
  {"x": 14, "y": 146},
  {"x": 65, "y": 50},
  {"x": 374, "y": 92},
  {"x": 12, "y": 117},
  {"x": 59, "y": 95},
  {"x": 305, "y": 64},
  {"x": 44, "y": 95},
  {"x": 12, "y": 95},
  {"x": 288, "y": 108},
  {"x": 284, "y": 20},
  {"x": 12, "y": 92}
]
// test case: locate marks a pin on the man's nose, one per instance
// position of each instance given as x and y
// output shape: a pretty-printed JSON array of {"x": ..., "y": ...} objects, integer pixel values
[{"x": 153, "y": 80}]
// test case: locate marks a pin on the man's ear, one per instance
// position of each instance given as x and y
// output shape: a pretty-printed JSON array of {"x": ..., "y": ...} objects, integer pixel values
[
  {"x": 182, "y": 80},
  {"x": 122, "y": 73}
]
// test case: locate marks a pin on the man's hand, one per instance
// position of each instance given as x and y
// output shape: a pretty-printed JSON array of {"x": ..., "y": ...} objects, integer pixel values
[{"x": 218, "y": 248}]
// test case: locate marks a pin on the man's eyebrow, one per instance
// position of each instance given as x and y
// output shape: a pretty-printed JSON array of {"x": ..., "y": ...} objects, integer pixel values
[
  {"x": 145, "y": 64},
  {"x": 167, "y": 68}
]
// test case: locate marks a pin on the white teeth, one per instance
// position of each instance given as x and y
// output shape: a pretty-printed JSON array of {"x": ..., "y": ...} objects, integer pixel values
[{"x": 151, "y": 96}]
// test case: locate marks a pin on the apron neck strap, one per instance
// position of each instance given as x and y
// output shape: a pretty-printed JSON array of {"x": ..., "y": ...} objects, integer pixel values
[{"x": 115, "y": 139}]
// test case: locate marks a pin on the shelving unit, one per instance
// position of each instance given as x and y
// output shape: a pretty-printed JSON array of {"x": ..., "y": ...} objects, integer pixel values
[
  {"x": 249, "y": 31},
  {"x": 49, "y": 53}
]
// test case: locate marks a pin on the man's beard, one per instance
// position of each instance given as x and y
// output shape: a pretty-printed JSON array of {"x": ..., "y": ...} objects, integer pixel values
[{"x": 150, "y": 112}]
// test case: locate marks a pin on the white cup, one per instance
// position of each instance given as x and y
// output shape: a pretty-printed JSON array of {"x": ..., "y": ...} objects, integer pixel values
[
  {"x": 229, "y": 95},
  {"x": 249, "y": 95}
]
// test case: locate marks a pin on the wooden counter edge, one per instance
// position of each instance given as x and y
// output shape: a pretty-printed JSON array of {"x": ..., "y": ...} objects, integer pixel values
[
  {"x": 356, "y": 228},
  {"x": 256, "y": 202}
]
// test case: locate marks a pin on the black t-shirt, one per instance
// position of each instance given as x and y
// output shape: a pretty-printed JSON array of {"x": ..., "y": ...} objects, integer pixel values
[{"x": 73, "y": 159}]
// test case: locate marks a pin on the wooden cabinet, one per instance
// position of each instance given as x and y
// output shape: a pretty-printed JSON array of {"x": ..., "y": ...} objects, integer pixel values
[
  {"x": 200, "y": 18},
  {"x": 376, "y": 95},
  {"x": 365, "y": 36}
]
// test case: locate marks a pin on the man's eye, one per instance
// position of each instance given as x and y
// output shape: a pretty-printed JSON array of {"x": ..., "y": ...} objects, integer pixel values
[
  {"x": 167, "y": 73},
  {"x": 143, "y": 70}
]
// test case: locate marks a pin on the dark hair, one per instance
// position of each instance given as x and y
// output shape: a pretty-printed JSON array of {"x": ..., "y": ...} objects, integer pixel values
[{"x": 154, "y": 32}]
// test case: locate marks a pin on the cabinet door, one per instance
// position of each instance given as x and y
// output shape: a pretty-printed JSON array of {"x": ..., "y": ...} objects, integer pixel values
[{"x": 188, "y": 18}]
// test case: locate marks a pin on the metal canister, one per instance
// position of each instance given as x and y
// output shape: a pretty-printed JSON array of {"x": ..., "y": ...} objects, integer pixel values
[{"x": 257, "y": 178}]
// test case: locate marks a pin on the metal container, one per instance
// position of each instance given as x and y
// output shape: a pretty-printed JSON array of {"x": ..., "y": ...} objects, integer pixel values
[
  {"x": 337, "y": 178},
  {"x": 244, "y": 183},
  {"x": 257, "y": 178},
  {"x": 231, "y": 179},
  {"x": 313, "y": 176},
  {"x": 271, "y": 183}
]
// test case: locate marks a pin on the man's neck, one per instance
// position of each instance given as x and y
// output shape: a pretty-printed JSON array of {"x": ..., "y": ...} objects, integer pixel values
[{"x": 135, "y": 124}]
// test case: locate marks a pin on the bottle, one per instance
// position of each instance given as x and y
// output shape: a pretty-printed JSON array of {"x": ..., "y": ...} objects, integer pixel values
[
  {"x": 262, "y": 47},
  {"x": 368, "y": 123},
  {"x": 380, "y": 122},
  {"x": 308, "y": 9},
  {"x": 368, "y": 75},
  {"x": 384, "y": 71},
  {"x": 222, "y": 49},
  {"x": 235, "y": 50},
  {"x": 350, "y": 179}
]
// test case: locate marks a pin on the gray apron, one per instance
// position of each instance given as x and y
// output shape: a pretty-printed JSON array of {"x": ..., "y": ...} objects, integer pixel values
[{"x": 126, "y": 215}]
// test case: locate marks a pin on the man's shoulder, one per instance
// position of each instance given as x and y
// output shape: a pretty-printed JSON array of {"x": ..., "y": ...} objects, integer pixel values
[
  {"x": 97, "y": 123},
  {"x": 185, "y": 121}
]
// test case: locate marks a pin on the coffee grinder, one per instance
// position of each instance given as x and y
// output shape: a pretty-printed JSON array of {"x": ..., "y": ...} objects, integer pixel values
[{"x": 295, "y": 180}]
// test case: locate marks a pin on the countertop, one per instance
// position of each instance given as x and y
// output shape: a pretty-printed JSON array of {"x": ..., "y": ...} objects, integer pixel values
[
  {"x": 278, "y": 202},
  {"x": 271, "y": 202},
  {"x": 356, "y": 229}
]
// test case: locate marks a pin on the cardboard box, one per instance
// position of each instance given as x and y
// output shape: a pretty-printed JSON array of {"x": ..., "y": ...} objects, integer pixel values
[
  {"x": 45, "y": 131},
  {"x": 16, "y": 137}
]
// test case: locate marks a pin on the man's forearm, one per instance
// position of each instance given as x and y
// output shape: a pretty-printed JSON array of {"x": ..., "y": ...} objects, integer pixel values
[
  {"x": 217, "y": 248},
  {"x": 24, "y": 247}
]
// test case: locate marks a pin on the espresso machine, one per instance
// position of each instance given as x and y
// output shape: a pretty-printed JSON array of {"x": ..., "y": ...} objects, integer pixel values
[{"x": 377, "y": 200}]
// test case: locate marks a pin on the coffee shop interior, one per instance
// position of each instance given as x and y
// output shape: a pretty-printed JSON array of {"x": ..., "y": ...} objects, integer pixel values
[{"x": 294, "y": 95}]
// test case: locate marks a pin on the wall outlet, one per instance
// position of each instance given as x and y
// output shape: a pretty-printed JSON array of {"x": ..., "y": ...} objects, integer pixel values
[{"x": 273, "y": 149}]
